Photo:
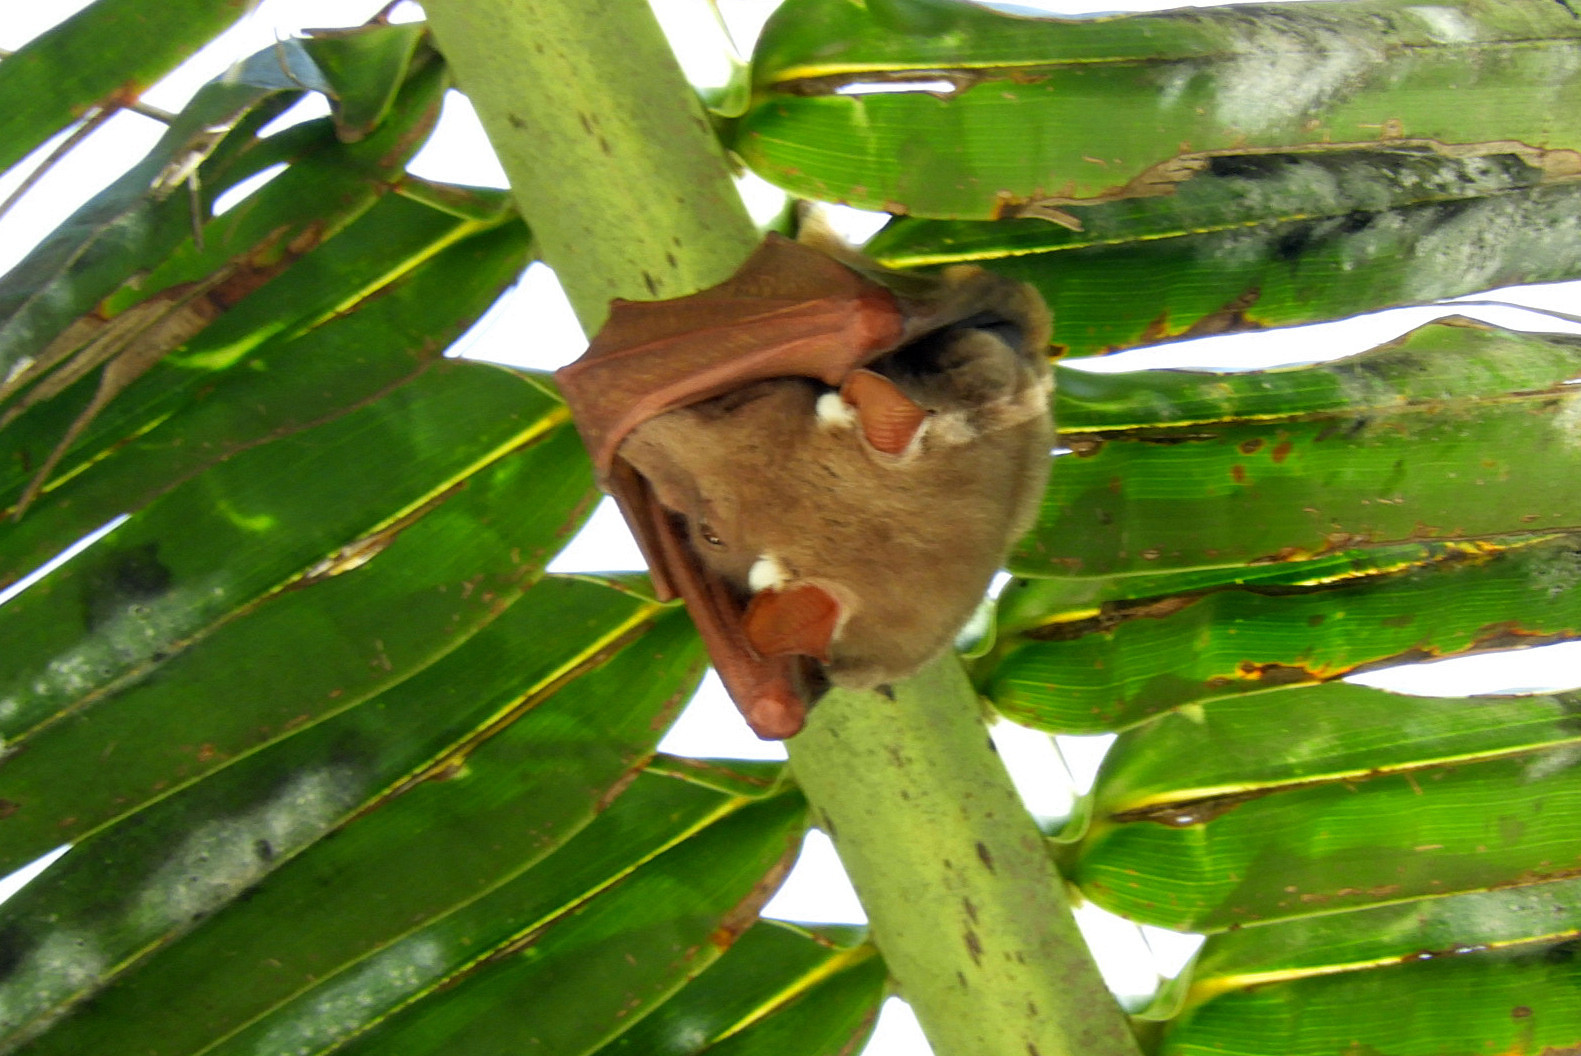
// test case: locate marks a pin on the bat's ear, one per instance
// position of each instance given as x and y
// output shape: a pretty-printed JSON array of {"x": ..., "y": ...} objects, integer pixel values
[
  {"x": 889, "y": 418},
  {"x": 797, "y": 621}
]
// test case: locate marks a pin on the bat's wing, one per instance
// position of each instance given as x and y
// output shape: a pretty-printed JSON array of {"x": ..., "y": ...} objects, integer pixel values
[
  {"x": 769, "y": 691},
  {"x": 791, "y": 311}
]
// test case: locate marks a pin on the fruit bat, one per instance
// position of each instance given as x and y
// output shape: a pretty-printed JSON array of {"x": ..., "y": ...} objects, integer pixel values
[{"x": 826, "y": 460}]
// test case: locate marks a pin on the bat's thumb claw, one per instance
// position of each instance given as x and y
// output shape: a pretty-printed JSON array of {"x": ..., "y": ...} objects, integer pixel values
[
  {"x": 890, "y": 418},
  {"x": 775, "y": 716},
  {"x": 797, "y": 621}
]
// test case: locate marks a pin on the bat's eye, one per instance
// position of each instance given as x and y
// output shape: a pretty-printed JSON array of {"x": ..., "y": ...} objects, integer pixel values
[{"x": 708, "y": 534}]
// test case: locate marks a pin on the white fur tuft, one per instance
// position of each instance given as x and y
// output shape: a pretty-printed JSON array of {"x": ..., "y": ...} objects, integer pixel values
[
  {"x": 835, "y": 413},
  {"x": 767, "y": 574}
]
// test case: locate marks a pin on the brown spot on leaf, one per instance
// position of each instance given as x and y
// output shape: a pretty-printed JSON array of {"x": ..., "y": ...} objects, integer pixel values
[
  {"x": 1111, "y": 615},
  {"x": 1238, "y": 473},
  {"x": 745, "y": 912},
  {"x": 1085, "y": 446},
  {"x": 1275, "y": 674},
  {"x": 714, "y": 769},
  {"x": 1157, "y": 329},
  {"x": 1507, "y": 634},
  {"x": 1186, "y": 813},
  {"x": 359, "y": 552},
  {"x": 974, "y": 946},
  {"x": 1252, "y": 446},
  {"x": 1281, "y": 450},
  {"x": 613, "y": 792},
  {"x": 985, "y": 856},
  {"x": 1229, "y": 319},
  {"x": 1284, "y": 553},
  {"x": 1042, "y": 210}
]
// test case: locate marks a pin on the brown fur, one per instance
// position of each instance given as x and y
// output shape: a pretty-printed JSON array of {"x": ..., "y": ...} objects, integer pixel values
[{"x": 907, "y": 544}]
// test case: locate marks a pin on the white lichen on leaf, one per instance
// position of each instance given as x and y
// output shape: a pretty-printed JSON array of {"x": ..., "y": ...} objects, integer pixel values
[
  {"x": 1446, "y": 25},
  {"x": 1568, "y": 421},
  {"x": 1557, "y": 760},
  {"x": 221, "y": 858},
  {"x": 64, "y": 966},
  {"x": 1284, "y": 68},
  {"x": 216, "y": 861},
  {"x": 1494, "y": 241},
  {"x": 1560, "y": 574},
  {"x": 347, "y": 1003},
  {"x": 122, "y": 635}
]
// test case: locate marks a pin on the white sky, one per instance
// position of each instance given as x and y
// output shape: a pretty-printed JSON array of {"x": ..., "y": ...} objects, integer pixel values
[{"x": 1050, "y": 771}]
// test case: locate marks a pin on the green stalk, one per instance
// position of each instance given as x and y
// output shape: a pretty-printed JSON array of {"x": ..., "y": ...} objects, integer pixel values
[
  {"x": 628, "y": 193},
  {"x": 957, "y": 883},
  {"x": 610, "y": 155}
]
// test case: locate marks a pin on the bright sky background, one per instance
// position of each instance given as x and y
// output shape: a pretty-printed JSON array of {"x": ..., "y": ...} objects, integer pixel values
[{"x": 1050, "y": 771}]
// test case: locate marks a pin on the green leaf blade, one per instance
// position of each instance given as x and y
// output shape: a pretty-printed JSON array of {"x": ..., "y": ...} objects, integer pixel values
[
  {"x": 1460, "y": 1005},
  {"x": 1270, "y": 240},
  {"x": 1113, "y": 670},
  {"x": 436, "y": 792},
  {"x": 102, "y": 56},
  {"x": 1253, "y": 493},
  {"x": 260, "y": 373},
  {"x": 779, "y": 990},
  {"x": 137, "y": 222},
  {"x": 1041, "y": 113},
  {"x": 250, "y": 527},
  {"x": 350, "y": 637},
  {"x": 1331, "y": 846},
  {"x": 568, "y": 988}
]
